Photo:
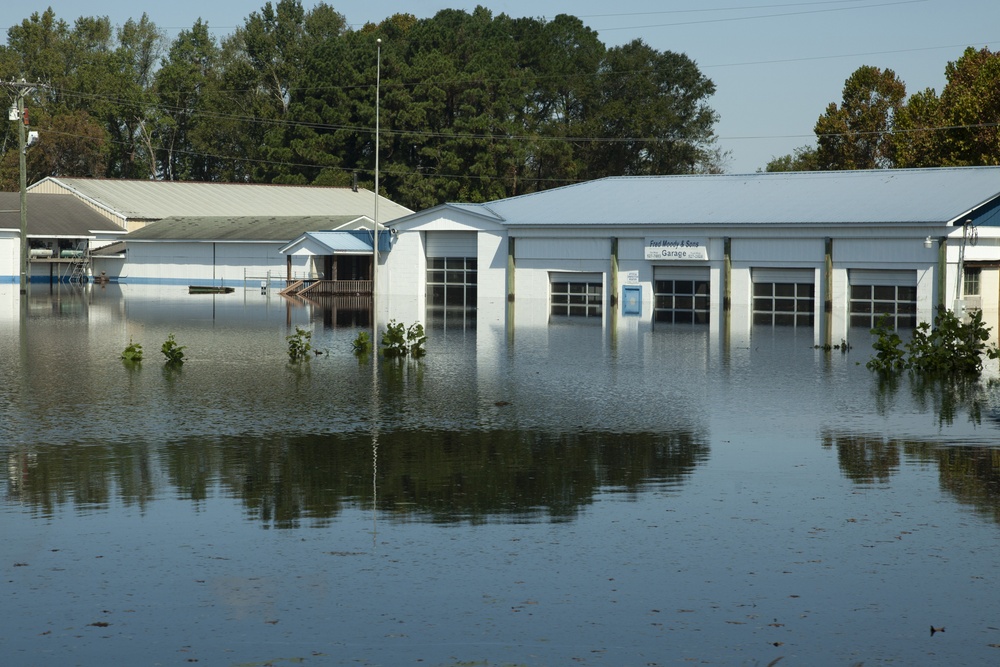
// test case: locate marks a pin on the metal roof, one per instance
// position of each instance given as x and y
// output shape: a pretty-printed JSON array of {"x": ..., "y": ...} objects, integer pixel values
[
  {"x": 237, "y": 228},
  {"x": 155, "y": 200},
  {"x": 851, "y": 197},
  {"x": 342, "y": 242},
  {"x": 54, "y": 215}
]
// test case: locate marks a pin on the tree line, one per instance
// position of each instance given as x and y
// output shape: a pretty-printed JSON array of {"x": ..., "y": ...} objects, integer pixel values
[
  {"x": 876, "y": 126},
  {"x": 472, "y": 106}
]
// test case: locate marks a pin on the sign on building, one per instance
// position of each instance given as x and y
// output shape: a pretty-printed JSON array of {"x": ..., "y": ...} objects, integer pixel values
[{"x": 676, "y": 249}]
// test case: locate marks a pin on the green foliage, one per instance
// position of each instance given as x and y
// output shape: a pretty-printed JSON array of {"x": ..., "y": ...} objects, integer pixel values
[
  {"x": 857, "y": 134},
  {"x": 399, "y": 341},
  {"x": 363, "y": 343},
  {"x": 952, "y": 348},
  {"x": 132, "y": 353},
  {"x": 299, "y": 344},
  {"x": 481, "y": 105},
  {"x": 173, "y": 352}
]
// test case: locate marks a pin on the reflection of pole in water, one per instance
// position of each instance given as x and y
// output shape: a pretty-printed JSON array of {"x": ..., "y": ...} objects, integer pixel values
[{"x": 375, "y": 401}]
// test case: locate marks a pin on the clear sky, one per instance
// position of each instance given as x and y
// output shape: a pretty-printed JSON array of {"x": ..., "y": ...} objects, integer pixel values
[{"x": 776, "y": 64}]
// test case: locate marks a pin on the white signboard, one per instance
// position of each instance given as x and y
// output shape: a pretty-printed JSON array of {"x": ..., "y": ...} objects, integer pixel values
[
  {"x": 632, "y": 277},
  {"x": 674, "y": 249}
]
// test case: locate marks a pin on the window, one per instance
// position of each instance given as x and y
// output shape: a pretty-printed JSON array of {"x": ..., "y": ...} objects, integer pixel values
[
  {"x": 681, "y": 301},
  {"x": 784, "y": 304},
  {"x": 577, "y": 299},
  {"x": 970, "y": 282},
  {"x": 870, "y": 302},
  {"x": 451, "y": 282}
]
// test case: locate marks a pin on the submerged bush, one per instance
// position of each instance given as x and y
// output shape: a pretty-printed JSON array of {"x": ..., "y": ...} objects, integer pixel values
[
  {"x": 398, "y": 341},
  {"x": 951, "y": 347},
  {"x": 132, "y": 353},
  {"x": 362, "y": 344},
  {"x": 172, "y": 351},
  {"x": 299, "y": 344}
]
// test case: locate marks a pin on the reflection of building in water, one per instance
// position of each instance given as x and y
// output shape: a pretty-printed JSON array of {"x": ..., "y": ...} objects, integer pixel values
[
  {"x": 821, "y": 251},
  {"x": 970, "y": 473}
]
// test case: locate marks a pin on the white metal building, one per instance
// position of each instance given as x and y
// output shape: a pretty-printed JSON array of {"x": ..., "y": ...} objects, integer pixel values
[
  {"x": 60, "y": 233},
  {"x": 826, "y": 251},
  {"x": 217, "y": 233}
]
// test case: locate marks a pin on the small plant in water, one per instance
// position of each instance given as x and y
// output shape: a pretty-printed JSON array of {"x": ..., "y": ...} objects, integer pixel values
[
  {"x": 132, "y": 353},
  {"x": 362, "y": 344},
  {"x": 951, "y": 348},
  {"x": 398, "y": 341},
  {"x": 299, "y": 344},
  {"x": 172, "y": 351}
]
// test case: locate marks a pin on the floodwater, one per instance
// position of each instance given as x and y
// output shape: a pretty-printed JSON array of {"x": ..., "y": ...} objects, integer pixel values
[{"x": 546, "y": 496}]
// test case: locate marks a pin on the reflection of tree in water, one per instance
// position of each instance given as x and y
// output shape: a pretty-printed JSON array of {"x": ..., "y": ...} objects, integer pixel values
[
  {"x": 89, "y": 476},
  {"x": 946, "y": 396},
  {"x": 971, "y": 474},
  {"x": 443, "y": 476}
]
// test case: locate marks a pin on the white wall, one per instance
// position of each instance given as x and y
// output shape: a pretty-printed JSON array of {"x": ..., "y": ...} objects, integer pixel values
[{"x": 183, "y": 263}]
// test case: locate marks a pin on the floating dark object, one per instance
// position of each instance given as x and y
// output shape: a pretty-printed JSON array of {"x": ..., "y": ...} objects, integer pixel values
[
  {"x": 933, "y": 630},
  {"x": 500, "y": 404},
  {"x": 209, "y": 289}
]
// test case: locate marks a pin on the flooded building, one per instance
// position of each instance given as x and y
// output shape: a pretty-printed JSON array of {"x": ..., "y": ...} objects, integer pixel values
[
  {"x": 825, "y": 251},
  {"x": 61, "y": 232},
  {"x": 222, "y": 234}
]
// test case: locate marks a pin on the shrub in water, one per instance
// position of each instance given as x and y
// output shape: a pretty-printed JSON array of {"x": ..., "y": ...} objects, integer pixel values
[
  {"x": 172, "y": 351},
  {"x": 299, "y": 344}
]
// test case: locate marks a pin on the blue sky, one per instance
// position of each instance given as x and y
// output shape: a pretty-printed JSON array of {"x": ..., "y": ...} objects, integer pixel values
[{"x": 776, "y": 64}]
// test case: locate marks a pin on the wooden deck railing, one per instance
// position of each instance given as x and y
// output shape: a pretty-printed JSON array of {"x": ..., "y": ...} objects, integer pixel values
[{"x": 347, "y": 287}]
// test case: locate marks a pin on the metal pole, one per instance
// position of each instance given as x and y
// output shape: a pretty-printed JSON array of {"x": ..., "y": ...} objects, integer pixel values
[
  {"x": 378, "y": 81},
  {"x": 959, "y": 304},
  {"x": 22, "y": 150}
]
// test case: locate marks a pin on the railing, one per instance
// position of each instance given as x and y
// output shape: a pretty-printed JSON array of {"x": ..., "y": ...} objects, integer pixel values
[{"x": 334, "y": 287}]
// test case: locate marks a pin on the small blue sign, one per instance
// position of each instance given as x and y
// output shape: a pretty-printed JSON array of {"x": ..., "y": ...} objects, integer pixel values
[{"x": 632, "y": 300}]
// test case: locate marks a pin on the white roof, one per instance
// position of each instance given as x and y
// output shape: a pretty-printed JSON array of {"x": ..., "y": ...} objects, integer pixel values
[
  {"x": 155, "y": 200},
  {"x": 834, "y": 197}
]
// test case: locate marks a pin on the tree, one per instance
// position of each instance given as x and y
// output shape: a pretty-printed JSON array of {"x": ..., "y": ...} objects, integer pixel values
[
  {"x": 804, "y": 158},
  {"x": 970, "y": 106},
  {"x": 919, "y": 136},
  {"x": 857, "y": 134},
  {"x": 185, "y": 78},
  {"x": 652, "y": 115}
]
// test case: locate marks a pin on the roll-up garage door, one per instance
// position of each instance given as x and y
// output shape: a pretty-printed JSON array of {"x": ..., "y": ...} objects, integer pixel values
[
  {"x": 681, "y": 294},
  {"x": 451, "y": 244},
  {"x": 576, "y": 294},
  {"x": 876, "y": 293},
  {"x": 784, "y": 297},
  {"x": 452, "y": 269}
]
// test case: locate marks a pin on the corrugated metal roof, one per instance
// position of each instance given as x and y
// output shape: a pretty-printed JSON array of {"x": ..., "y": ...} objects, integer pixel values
[
  {"x": 343, "y": 242},
  {"x": 236, "y": 228},
  {"x": 155, "y": 200},
  {"x": 53, "y": 215},
  {"x": 874, "y": 197}
]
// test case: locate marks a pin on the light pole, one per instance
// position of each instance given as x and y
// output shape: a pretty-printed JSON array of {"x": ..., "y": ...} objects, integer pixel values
[
  {"x": 378, "y": 80},
  {"x": 20, "y": 90}
]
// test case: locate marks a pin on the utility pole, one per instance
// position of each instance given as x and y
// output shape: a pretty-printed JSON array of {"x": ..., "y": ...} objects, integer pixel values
[{"x": 20, "y": 89}]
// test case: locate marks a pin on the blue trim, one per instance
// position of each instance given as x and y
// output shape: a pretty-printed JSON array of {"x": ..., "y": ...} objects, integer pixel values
[{"x": 250, "y": 283}]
